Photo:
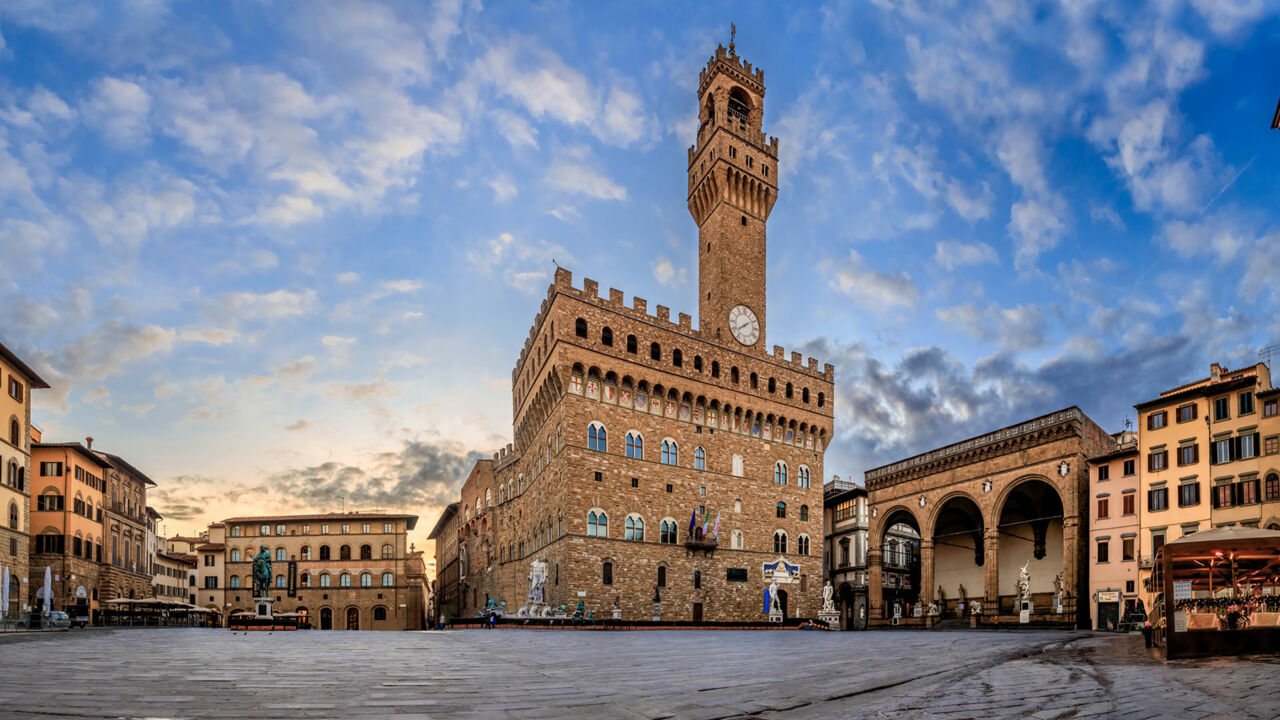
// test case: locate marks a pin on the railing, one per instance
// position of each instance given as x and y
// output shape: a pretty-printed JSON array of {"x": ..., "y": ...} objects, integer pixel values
[
  {"x": 831, "y": 487},
  {"x": 983, "y": 440},
  {"x": 705, "y": 543}
]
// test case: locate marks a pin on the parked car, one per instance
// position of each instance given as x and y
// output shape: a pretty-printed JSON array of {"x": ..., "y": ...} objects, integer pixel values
[
  {"x": 57, "y": 620},
  {"x": 79, "y": 615},
  {"x": 35, "y": 620}
]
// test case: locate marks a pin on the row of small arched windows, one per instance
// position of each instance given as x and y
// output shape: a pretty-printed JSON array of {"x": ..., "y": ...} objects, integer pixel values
[
  {"x": 325, "y": 580},
  {"x": 677, "y": 360}
]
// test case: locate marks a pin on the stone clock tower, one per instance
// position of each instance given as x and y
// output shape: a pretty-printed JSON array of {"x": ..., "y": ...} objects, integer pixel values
[{"x": 733, "y": 183}]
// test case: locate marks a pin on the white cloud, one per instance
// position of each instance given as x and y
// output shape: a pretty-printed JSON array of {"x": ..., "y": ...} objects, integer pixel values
[
  {"x": 523, "y": 265},
  {"x": 1014, "y": 329},
  {"x": 346, "y": 278},
  {"x": 668, "y": 275},
  {"x": 515, "y": 129},
  {"x": 503, "y": 189},
  {"x": 872, "y": 289},
  {"x": 951, "y": 255},
  {"x": 1036, "y": 228},
  {"x": 210, "y": 336},
  {"x": 119, "y": 108},
  {"x": 267, "y": 306},
  {"x": 140, "y": 410},
  {"x": 575, "y": 177}
]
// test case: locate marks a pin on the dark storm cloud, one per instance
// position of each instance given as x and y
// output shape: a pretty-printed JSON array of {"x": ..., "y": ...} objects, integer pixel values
[
  {"x": 928, "y": 398},
  {"x": 420, "y": 473}
]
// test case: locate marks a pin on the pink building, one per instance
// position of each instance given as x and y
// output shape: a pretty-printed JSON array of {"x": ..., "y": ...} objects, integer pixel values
[{"x": 1113, "y": 533}]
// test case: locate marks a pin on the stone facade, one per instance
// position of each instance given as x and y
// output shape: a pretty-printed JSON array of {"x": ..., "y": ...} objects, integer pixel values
[
  {"x": 846, "y": 518},
  {"x": 66, "y": 516},
  {"x": 727, "y": 429},
  {"x": 126, "y": 567},
  {"x": 1113, "y": 533},
  {"x": 983, "y": 508}
]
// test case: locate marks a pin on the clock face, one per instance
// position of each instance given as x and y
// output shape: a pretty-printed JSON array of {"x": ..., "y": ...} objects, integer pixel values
[{"x": 744, "y": 325}]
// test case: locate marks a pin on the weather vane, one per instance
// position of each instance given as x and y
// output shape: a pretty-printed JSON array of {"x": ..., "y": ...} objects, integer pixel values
[{"x": 733, "y": 31}]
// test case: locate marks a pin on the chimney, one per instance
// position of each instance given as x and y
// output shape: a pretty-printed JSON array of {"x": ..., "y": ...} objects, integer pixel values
[{"x": 89, "y": 441}]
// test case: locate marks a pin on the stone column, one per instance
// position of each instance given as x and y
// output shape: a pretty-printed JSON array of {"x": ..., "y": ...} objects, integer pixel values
[
  {"x": 875, "y": 588},
  {"x": 1071, "y": 559},
  {"x": 991, "y": 572},
  {"x": 926, "y": 572}
]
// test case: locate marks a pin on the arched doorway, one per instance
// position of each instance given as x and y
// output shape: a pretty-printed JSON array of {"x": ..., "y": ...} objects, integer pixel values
[
  {"x": 353, "y": 618},
  {"x": 782, "y": 601},
  {"x": 900, "y": 563},
  {"x": 1030, "y": 532},
  {"x": 303, "y": 619},
  {"x": 958, "y": 556},
  {"x": 326, "y": 619},
  {"x": 853, "y": 608}
]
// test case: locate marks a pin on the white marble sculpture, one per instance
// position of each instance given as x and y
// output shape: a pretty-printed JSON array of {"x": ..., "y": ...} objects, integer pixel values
[
  {"x": 828, "y": 604},
  {"x": 1024, "y": 583},
  {"x": 1057, "y": 585}
]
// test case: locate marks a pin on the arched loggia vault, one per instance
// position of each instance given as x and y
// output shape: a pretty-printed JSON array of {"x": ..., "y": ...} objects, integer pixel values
[
  {"x": 958, "y": 553},
  {"x": 1031, "y": 533}
]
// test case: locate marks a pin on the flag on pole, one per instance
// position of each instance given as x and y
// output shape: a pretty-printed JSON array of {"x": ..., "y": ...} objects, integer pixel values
[
  {"x": 693, "y": 521},
  {"x": 716, "y": 532},
  {"x": 706, "y": 520}
]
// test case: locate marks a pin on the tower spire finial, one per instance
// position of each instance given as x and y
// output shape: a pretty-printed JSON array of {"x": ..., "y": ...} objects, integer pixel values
[{"x": 733, "y": 31}]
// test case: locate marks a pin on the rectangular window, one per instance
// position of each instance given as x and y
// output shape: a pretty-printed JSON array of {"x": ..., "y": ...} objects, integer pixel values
[
  {"x": 1129, "y": 504},
  {"x": 1104, "y": 552},
  {"x": 1222, "y": 408},
  {"x": 1104, "y": 473},
  {"x": 15, "y": 388},
  {"x": 1271, "y": 407},
  {"x": 1222, "y": 495},
  {"x": 1157, "y": 420},
  {"x": 1222, "y": 451},
  {"x": 208, "y": 560},
  {"x": 1128, "y": 586},
  {"x": 1157, "y": 461},
  {"x": 599, "y": 476},
  {"x": 280, "y": 530},
  {"x": 1130, "y": 467},
  {"x": 1157, "y": 542},
  {"x": 1247, "y": 492},
  {"x": 324, "y": 529},
  {"x": 211, "y": 582},
  {"x": 1188, "y": 494},
  {"x": 1187, "y": 413},
  {"x": 1126, "y": 549},
  {"x": 365, "y": 528},
  {"x": 50, "y": 469},
  {"x": 346, "y": 529},
  {"x": 1271, "y": 445},
  {"x": 1248, "y": 446},
  {"x": 1104, "y": 508},
  {"x": 1188, "y": 455},
  {"x": 735, "y": 574},
  {"x": 386, "y": 528},
  {"x": 1246, "y": 402},
  {"x": 1158, "y": 499}
]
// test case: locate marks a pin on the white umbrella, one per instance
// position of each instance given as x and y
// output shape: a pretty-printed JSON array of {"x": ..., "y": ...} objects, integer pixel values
[{"x": 48, "y": 589}]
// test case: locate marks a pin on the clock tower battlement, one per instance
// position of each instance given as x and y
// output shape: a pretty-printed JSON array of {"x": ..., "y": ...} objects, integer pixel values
[{"x": 733, "y": 184}]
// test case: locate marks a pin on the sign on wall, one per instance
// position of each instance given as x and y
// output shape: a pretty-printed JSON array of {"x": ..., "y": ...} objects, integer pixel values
[{"x": 293, "y": 578}]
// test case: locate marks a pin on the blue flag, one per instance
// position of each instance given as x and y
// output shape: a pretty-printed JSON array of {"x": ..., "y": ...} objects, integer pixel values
[{"x": 693, "y": 521}]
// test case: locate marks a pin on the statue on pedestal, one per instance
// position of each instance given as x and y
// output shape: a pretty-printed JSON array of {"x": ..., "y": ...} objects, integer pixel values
[
  {"x": 828, "y": 605},
  {"x": 1024, "y": 583},
  {"x": 262, "y": 572}
]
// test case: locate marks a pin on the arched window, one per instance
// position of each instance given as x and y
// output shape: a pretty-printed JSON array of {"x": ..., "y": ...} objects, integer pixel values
[
  {"x": 780, "y": 473},
  {"x": 15, "y": 433},
  {"x": 366, "y": 552},
  {"x": 631, "y": 344},
  {"x": 802, "y": 476},
  {"x": 634, "y": 528},
  {"x": 597, "y": 524},
  {"x": 802, "y": 545},
  {"x": 388, "y": 579},
  {"x": 662, "y": 576},
  {"x": 344, "y": 552},
  {"x": 699, "y": 459},
  {"x": 379, "y": 613},
  {"x": 697, "y": 363},
  {"x": 780, "y": 542},
  {"x": 804, "y": 512},
  {"x": 580, "y": 328},
  {"x": 739, "y": 105},
  {"x": 789, "y": 393},
  {"x": 235, "y": 582},
  {"x": 606, "y": 572},
  {"x": 804, "y": 395},
  {"x": 670, "y": 453},
  {"x": 344, "y": 580},
  {"x": 677, "y": 358},
  {"x": 597, "y": 438},
  {"x": 13, "y": 515},
  {"x": 511, "y": 488},
  {"x": 366, "y": 579},
  {"x": 737, "y": 465},
  {"x": 782, "y": 509},
  {"x": 735, "y": 540},
  {"x": 305, "y": 552},
  {"x": 733, "y": 375},
  {"x": 697, "y": 579},
  {"x": 324, "y": 552},
  {"x": 755, "y": 381},
  {"x": 280, "y": 582},
  {"x": 715, "y": 369},
  {"x": 502, "y": 494},
  {"x": 773, "y": 385},
  {"x": 388, "y": 552},
  {"x": 606, "y": 337},
  {"x": 324, "y": 579},
  {"x": 280, "y": 555},
  {"x": 304, "y": 579},
  {"x": 667, "y": 532},
  {"x": 655, "y": 351},
  {"x": 822, "y": 399},
  {"x": 635, "y": 446}
]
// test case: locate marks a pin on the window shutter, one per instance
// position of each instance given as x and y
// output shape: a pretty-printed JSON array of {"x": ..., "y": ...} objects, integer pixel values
[
  {"x": 1257, "y": 446},
  {"x": 1195, "y": 452},
  {"x": 1151, "y": 465},
  {"x": 1151, "y": 500},
  {"x": 1151, "y": 425},
  {"x": 1196, "y": 494},
  {"x": 1194, "y": 410},
  {"x": 1235, "y": 448}
]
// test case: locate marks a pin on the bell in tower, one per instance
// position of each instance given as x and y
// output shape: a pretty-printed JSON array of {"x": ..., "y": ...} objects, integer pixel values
[{"x": 733, "y": 176}]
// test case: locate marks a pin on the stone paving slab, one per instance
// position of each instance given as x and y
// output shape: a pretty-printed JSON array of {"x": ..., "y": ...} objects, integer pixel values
[{"x": 190, "y": 674}]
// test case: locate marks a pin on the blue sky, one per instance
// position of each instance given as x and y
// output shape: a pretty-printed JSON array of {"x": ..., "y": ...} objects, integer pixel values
[{"x": 284, "y": 255}]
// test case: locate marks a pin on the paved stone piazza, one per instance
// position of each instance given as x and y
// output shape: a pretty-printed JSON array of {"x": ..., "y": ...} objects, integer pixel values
[{"x": 197, "y": 673}]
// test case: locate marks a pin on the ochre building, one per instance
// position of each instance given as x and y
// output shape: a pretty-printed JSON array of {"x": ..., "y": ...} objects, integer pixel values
[
  {"x": 15, "y": 467},
  {"x": 653, "y": 459}
]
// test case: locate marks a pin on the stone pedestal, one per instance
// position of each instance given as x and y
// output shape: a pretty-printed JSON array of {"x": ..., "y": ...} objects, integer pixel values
[
  {"x": 262, "y": 608},
  {"x": 1024, "y": 612},
  {"x": 657, "y": 614},
  {"x": 1057, "y": 605},
  {"x": 832, "y": 619},
  {"x": 617, "y": 613},
  {"x": 775, "y": 616}
]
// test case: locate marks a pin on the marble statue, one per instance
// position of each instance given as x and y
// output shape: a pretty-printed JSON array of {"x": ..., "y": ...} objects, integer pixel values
[
  {"x": 975, "y": 607},
  {"x": 828, "y": 606},
  {"x": 537, "y": 581},
  {"x": 774, "y": 605},
  {"x": 1057, "y": 585},
  {"x": 933, "y": 609},
  {"x": 1024, "y": 583}
]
